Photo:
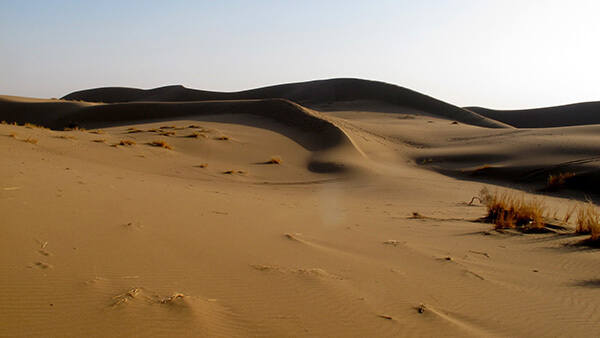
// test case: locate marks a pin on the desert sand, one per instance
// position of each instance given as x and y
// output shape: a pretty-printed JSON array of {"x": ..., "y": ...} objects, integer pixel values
[{"x": 327, "y": 208}]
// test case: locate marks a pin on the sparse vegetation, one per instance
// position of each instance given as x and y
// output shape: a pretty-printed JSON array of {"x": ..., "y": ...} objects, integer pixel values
[
  {"x": 134, "y": 130},
  {"x": 513, "y": 211},
  {"x": 13, "y": 135},
  {"x": 153, "y": 130},
  {"x": 74, "y": 129},
  {"x": 162, "y": 144},
  {"x": 97, "y": 131},
  {"x": 588, "y": 221},
  {"x": 202, "y": 165},
  {"x": 167, "y": 133},
  {"x": 167, "y": 127},
  {"x": 558, "y": 181},
  {"x": 194, "y": 126},
  {"x": 222, "y": 138},
  {"x": 127, "y": 143},
  {"x": 63, "y": 136},
  {"x": 31, "y": 140},
  {"x": 197, "y": 135},
  {"x": 3, "y": 122},
  {"x": 275, "y": 160},
  {"x": 100, "y": 140},
  {"x": 32, "y": 126}
]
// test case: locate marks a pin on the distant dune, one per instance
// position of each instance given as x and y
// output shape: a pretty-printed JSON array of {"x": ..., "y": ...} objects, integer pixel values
[
  {"x": 559, "y": 116},
  {"x": 311, "y": 94}
]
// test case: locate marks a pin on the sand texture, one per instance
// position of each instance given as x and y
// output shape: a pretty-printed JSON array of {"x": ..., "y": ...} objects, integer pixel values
[{"x": 337, "y": 208}]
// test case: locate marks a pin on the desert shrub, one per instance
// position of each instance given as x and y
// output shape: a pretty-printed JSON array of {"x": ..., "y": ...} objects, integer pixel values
[
  {"x": 127, "y": 143},
  {"x": 222, "y": 138},
  {"x": 162, "y": 144},
  {"x": 32, "y": 140},
  {"x": 514, "y": 211},
  {"x": 588, "y": 221},
  {"x": 167, "y": 133},
  {"x": 275, "y": 160},
  {"x": 559, "y": 180},
  {"x": 197, "y": 135},
  {"x": 100, "y": 140}
]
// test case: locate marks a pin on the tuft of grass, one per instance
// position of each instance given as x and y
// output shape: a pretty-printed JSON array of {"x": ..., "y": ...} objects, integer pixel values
[
  {"x": 3, "y": 122},
  {"x": 197, "y": 135},
  {"x": 202, "y": 165},
  {"x": 100, "y": 140},
  {"x": 162, "y": 144},
  {"x": 31, "y": 140},
  {"x": 275, "y": 160},
  {"x": 13, "y": 135},
  {"x": 514, "y": 211},
  {"x": 588, "y": 221},
  {"x": 67, "y": 137},
  {"x": 558, "y": 181},
  {"x": 127, "y": 143},
  {"x": 167, "y": 127},
  {"x": 230, "y": 172},
  {"x": 134, "y": 130},
  {"x": 167, "y": 133},
  {"x": 74, "y": 129},
  {"x": 222, "y": 138},
  {"x": 34, "y": 126},
  {"x": 195, "y": 126},
  {"x": 97, "y": 131}
]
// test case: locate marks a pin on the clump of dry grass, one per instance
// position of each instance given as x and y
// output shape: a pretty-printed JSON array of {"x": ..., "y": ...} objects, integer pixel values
[
  {"x": 13, "y": 135},
  {"x": 3, "y": 122},
  {"x": 97, "y": 131},
  {"x": 133, "y": 130},
  {"x": 74, "y": 129},
  {"x": 558, "y": 181},
  {"x": 222, "y": 138},
  {"x": 31, "y": 140},
  {"x": 275, "y": 160},
  {"x": 32, "y": 126},
  {"x": 202, "y": 165},
  {"x": 63, "y": 136},
  {"x": 162, "y": 144},
  {"x": 127, "y": 143},
  {"x": 588, "y": 221},
  {"x": 152, "y": 130},
  {"x": 514, "y": 211},
  {"x": 197, "y": 135},
  {"x": 167, "y": 133},
  {"x": 167, "y": 127},
  {"x": 100, "y": 140},
  {"x": 194, "y": 126}
]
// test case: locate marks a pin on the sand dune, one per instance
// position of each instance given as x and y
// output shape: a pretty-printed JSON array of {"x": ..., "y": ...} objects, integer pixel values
[
  {"x": 265, "y": 217},
  {"x": 568, "y": 115},
  {"x": 323, "y": 94}
]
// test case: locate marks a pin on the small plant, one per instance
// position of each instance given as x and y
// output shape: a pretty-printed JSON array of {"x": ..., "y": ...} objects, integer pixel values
[
  {"x": 202, "y": 165},
  {"x": 67, "y": 137},
  {"x": 167, "y": 133},
  {"x": 3, "y": 122},
  {"x": 152, "y": 130},
  {"x": 32, "y": 126},
  {"x": 97, "y": 131},
  {"x": 222, "y": 138},
  {"x": 31, "y": 140},
  {"x": 194, "y": 126},
  {"x": 197, "y": 135},
  {"x": 127, "y": 143},
  {"x": 275, "y": 160},
  {"x": 162, "y": 144},
  {"x": 230, "y": 172},
  {"x": 558, "y": 181},
  {"x": 100, "y": 140},
  {"x": 74, "y": 129},
  {"x": 588, "y": 221},
  {"x": 134, "y": 130},
  {"x": 13, "y": 135},
  {"x": 513, "y": 211},
  {"x": 167, "y": 127}
]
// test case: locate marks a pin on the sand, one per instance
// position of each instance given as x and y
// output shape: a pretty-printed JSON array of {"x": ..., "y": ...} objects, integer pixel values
[{"x": 363, "y": 229}]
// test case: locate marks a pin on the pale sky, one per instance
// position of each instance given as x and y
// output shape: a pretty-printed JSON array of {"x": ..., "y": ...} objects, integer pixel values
[{"x": 497, "y": 54}]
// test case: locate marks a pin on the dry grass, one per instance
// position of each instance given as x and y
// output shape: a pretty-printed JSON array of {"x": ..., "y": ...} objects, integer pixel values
[
  {"x": 167, "y": 127},
  {"x": 100, "y": 140},
  {"x": 127, "y": 143},
  {"x": 197, "y": 135},
  {"x": 134, "y": 130},
  {"x": 3, "y": 122},
  {"x": 34, "y": 126},
  {"x": 202, "y": 165},
  {"x": 162, "y": 144},
  {"x": 31, "y": 140},
  {"x": 222, "y": 138},
  {"x": 97, "y": 131},
  {"x": 167, "y": 133},
  {"x": 152, "y": 130},
  {"x": 275, "y": 160},
  {"x": 195, "y": 126},
  {"x": 558, "y": 181},
  {"x": 588, "y": 221},
  {"x": 74, "y": 129},
  {"x": 514, "y": 211},
  {"x": 67, "y": 137},
  {"x": 13, "y": 135}
]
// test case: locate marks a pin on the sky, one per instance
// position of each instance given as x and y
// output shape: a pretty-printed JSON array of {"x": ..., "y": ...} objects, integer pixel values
[{"x": 501, "y": 54}]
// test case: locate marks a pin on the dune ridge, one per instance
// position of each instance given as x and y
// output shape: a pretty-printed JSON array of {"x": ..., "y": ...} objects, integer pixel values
[{"x": 311, "y": 94}]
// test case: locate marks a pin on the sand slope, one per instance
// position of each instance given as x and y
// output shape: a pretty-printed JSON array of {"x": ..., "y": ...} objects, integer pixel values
[{"x": 104, "y": 234}]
